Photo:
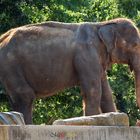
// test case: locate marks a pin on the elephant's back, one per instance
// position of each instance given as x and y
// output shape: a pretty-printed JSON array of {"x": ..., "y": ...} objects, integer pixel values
[{"x": 43, "y": 55}]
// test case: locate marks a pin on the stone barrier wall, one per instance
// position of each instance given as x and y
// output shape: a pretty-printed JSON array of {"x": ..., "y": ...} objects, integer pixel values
[{"x": 36, "y": 132}]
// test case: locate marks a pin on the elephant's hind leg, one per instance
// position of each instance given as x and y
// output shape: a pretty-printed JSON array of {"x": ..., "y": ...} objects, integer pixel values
[
  {"x": 91, "y": 94},
  {"x": 21, "y": 95}
]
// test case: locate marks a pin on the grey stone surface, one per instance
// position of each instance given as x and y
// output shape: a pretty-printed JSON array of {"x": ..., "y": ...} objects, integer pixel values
[
  {"x": 57, "y": 132},
  {"x": 106, "y": 119},
  {"x": 9, "y": 118}
]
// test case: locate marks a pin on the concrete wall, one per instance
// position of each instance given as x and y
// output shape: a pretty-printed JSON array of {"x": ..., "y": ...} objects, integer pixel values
[{"x": 32, "y": 132}]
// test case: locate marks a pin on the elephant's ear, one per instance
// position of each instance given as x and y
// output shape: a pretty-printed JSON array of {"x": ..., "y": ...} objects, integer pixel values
[{"x": 108, "y": 36}]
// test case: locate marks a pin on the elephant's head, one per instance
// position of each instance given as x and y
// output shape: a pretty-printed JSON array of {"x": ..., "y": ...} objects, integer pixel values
[{"x": 122, "y": 41}]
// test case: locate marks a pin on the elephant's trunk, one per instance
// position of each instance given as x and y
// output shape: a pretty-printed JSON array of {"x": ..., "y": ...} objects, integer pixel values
[{"x": 137, "y": 84}]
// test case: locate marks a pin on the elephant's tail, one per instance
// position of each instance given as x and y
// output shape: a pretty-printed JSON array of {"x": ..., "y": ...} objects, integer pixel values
[{"x": 5, "y": 38}]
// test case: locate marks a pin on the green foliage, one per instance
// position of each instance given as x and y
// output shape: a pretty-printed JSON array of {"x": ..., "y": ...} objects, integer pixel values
[
  {"x": 129, "y": 8},
  {"x": 4, "y": 104},
  {"x": 100, "y": 10},
  {"x": 11, "y": 15},
  {"x": 122, "y": 83},
  {"x": 68, "y": 103}
]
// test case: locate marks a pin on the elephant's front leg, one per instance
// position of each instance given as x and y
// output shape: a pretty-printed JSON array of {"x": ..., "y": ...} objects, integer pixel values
[
  {"x": 89, "y": 73},
  {"x": 91, "y": 93},
  {"x": 107, "y": 104}
]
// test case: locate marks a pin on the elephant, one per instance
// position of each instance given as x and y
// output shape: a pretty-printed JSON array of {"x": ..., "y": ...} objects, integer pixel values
[{"x": 37, "y": 60}]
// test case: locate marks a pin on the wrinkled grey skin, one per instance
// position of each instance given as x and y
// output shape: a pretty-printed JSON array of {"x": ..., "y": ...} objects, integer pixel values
[{"x": 38, "y": 60}]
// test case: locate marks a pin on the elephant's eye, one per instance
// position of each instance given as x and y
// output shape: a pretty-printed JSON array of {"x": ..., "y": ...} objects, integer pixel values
[{"x": 124, "y": 42}]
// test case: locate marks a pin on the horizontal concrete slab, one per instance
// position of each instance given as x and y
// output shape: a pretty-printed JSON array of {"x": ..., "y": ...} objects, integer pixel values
[{"x": 38, "y": 132}]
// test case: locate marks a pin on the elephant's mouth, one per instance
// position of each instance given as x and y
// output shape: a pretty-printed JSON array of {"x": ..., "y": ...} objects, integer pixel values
[{"x": 130, "y": 64}]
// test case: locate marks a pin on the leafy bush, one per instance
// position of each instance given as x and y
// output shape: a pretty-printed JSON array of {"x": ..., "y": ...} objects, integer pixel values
[
  {"x": 66, "y": 104},
  {"x": 122, "y": 83},
  {"x": 100, "y": 10}
]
